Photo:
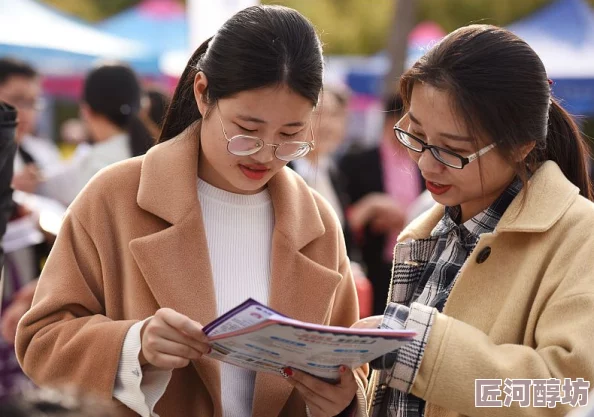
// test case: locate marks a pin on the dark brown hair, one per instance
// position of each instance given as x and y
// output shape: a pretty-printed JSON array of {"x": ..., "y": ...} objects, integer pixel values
[
  {"x": 500, "y": 88},
  {"x": 258, "y": 47},
  {"x": 113, "y": 90},
  {"x": 12, "y": 67}
]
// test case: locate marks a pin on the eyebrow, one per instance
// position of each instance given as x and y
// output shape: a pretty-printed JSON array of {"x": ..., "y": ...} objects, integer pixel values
[
  {"x": 442, "y": 134},
  {"x": 256, "y": 120}
]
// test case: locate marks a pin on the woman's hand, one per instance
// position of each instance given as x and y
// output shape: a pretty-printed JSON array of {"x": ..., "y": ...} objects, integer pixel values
[
  {"x": 371, "y": 322},
  {"x": 379, "y": 210},
  {"x": 322, "y": 398},
  {"x": 27, "y": 180},
  {"x": 170, "y": 340},
  {"x": 20, "y": 304}
]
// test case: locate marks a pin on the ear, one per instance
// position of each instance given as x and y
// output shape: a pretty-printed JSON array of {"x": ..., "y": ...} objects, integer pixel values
[
  {"x": 200, "y": 85},
  {"x": 524, "y": 150},
  {"x": 85, "y": 112}
]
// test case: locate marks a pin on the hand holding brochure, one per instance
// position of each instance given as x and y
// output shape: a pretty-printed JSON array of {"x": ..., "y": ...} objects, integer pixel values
[{"x": 256, "y": 337}]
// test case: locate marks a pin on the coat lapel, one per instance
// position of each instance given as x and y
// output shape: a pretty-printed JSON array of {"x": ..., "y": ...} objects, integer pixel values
[
  {"x": 174, "y": 261},
  {"x": 176, "y": 267},
  {"x": 301, "y": 288}
]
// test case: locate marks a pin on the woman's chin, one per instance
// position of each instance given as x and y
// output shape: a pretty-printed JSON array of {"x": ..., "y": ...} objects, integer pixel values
[{"x": 445, "y": 200}]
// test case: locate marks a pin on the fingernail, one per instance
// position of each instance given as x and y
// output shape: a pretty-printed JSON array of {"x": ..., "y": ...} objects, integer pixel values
[
  {"x": 209, "y": 350},
  {"x": 342, "y": 369},
  {"x": 287, "y": 372}
]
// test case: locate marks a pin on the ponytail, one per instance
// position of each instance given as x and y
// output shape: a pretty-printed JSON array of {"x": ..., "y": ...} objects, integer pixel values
[
  {"x": 140, "y": 139},
  {"x": 565, "y": 145},
  {"x": 183, "y": 110}
]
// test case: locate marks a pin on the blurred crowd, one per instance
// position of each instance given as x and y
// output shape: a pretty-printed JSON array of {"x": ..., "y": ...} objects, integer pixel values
[{"x": 119, "y": 118}]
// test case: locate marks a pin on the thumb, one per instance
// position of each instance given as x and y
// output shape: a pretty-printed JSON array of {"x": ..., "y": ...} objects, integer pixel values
[{"x": 346, "y": 376}]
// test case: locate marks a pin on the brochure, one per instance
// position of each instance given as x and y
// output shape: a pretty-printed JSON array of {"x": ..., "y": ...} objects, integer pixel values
[{"x": 256, "y": 337}]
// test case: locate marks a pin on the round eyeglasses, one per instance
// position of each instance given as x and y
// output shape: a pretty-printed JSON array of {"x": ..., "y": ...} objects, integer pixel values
[
  {"x": 244, "y": 145},
  {"x": 445, "y": 156}
]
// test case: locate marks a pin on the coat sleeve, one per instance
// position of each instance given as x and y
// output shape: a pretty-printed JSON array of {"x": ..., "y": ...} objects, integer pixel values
[
  {"x": 457, "y": 354},
  {"x": 66, "y": 338}
]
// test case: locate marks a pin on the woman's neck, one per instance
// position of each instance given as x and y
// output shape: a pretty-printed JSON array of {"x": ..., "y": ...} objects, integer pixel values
[
  {"x": 104, "y": 131},
  {"x": 471, "y": 208}
]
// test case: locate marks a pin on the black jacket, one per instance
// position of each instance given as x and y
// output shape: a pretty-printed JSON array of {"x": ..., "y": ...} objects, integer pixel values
[{"x": 7, "y": 151}]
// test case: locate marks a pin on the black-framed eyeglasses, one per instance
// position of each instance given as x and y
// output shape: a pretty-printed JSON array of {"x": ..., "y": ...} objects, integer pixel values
[
  {"x": 445, "y": 156},
  {"x": 244, "y": 145}
]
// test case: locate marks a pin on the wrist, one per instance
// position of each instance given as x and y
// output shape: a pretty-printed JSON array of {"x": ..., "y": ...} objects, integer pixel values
[{"x": 141, "y": 358}]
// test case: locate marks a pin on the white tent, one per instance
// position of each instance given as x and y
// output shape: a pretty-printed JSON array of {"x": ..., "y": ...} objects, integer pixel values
[
  {"x": 562, "y": 34},
  {"x": 58, "y": 44}
]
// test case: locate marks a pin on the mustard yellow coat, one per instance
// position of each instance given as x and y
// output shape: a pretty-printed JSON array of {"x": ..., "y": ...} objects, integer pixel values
[{"x": 527, "y": 311}]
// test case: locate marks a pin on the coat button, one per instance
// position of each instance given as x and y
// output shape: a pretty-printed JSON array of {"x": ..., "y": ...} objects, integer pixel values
[{"x": 483, "y": 255}]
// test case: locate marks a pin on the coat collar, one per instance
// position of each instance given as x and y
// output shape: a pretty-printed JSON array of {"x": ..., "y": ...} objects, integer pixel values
[
  {"x": 168, "y": 189},
  {"x": 540, "y": 205},
  {"x": 175, "y": 263},
  {"x": 535, "y": 209}
]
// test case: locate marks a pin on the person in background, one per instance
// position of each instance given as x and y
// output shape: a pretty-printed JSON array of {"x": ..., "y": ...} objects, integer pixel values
[
  {"x": 111, "y": 102},
  {"x": 497, "y": 279},
  {"x": 110, "y": 109},
  {"x": 320, "y": 171},
  {"x": 318, "y": 168},
  {"x": 158, "y": 246},
  {"x": 46, "y": 402},
  {"x": 73, "y": 133},
  {"x": 381, "y": 184},
  {"x": 155, "y": 103},
  {"x": 20, "y": 86}
]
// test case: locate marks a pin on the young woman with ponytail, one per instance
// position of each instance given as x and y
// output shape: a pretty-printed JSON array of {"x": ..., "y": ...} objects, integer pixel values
[
  {"x": 156, "y": 247},
  {"x": 497, "y": 278},
  {"x": 110, "y": 108}
]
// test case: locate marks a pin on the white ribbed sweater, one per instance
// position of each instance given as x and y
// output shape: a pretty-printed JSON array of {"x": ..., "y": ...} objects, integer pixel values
[{"x": 239, "y": 236}]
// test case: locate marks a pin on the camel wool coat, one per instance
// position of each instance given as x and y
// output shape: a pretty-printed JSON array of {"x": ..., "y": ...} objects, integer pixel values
[
  {"x": 522, "y": 305},
  {"x": 134, "y": 242}
]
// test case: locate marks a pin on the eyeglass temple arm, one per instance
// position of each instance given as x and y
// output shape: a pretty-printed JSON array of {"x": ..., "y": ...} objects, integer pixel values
[
  {"x": 404, "y": 119},
  {"x": 481, "y": 152},
  {"x": 312, "y": 144},
  {"x": 221, "y": 121}
]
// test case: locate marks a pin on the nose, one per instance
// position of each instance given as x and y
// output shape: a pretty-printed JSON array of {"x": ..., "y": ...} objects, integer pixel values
[
  {"x": 264, "y": 155},
  {"x": 428, "y": 164}
]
